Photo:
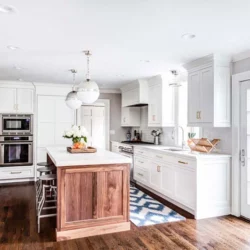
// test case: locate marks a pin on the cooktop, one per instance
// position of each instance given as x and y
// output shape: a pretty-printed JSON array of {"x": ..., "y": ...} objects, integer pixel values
[{"x": 137, "y": 142}]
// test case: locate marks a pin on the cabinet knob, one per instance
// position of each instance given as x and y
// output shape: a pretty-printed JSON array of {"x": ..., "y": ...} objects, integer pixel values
[{"x": 16, "y": 172}]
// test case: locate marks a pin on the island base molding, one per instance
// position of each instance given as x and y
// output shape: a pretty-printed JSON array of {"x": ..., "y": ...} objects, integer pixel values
[{"x": 91, "y": 231}]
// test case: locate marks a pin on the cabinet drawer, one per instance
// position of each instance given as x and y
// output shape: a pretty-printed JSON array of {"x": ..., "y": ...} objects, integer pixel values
[
  {"x": 141, "y": 162},
  {"x": 186, "y": 163},
  {"x": 142, "y": 152},
  {"x": 16, "y": 173},
  {"x": 141, "y": 175}
]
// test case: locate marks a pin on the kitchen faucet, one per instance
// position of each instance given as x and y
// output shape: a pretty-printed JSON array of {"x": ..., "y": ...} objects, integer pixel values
[{"x": 173, "y": 135}]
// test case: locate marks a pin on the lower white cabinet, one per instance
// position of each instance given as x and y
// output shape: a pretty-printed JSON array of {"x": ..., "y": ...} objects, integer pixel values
[
  {"x": 198, "y": 184},
  {"x": 115, "y": 146},
  {"x": 23, "y": 172}
]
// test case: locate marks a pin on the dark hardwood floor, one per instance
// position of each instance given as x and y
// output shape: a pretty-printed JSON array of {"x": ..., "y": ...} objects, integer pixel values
[{"x": 18, "y": 230}]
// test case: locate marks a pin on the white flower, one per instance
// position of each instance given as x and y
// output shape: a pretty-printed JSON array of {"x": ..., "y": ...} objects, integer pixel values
[
  {"x": 83, "y": 131},
  {"x": 75, "y": 128},
  {"x": 68, "y": 133}
]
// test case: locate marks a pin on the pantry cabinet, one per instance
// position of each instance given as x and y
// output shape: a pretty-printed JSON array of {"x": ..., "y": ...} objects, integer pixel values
[
  {"x": 130, "y": 117},
  {"x": 161, "y": 107},
  {"x": 209, "y": 92},
  {"x": 16, "y": 100}
]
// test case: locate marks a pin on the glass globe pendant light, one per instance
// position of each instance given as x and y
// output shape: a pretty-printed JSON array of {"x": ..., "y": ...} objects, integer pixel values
[
  {"x": 72, "y": 100},
  {"x": 88, "y": 91}
]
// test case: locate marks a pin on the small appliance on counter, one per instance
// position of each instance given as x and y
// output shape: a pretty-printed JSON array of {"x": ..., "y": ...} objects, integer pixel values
[
  {"x": 156, "y": 134},
  {"x": 128, "y": 136}
]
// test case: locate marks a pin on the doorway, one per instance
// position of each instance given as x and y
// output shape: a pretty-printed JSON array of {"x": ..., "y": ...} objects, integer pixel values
[
  {"x": 245, "y": 148},
  {"x": 96, "y": 119}
]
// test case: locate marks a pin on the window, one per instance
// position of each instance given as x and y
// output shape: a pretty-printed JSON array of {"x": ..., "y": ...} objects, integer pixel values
[{"x": 181, "y": 96}]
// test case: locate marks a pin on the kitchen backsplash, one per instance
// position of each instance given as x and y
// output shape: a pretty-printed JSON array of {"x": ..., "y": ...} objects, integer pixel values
[{"x": 224, "y": 134}]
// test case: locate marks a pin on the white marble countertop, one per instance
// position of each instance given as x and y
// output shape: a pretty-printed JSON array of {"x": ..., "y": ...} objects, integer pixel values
[
  {"x": 187, "y": 152},
  {"x": 61, "y": 157}
]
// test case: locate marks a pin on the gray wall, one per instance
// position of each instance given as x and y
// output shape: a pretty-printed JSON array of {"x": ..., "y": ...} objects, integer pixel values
[
  {"x": 241, "y": 66},
  {"x": 115, "y": 116}
]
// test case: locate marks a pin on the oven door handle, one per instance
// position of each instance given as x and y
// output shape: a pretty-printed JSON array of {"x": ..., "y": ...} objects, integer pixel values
[{"x": 16, "y": 142}]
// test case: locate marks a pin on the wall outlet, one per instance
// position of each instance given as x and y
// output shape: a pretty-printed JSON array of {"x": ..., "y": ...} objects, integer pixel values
[{"x": 112, "y": 132}]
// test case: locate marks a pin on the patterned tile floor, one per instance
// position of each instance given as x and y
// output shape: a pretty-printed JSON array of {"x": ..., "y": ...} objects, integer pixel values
[{"x": 145, "y": 211}]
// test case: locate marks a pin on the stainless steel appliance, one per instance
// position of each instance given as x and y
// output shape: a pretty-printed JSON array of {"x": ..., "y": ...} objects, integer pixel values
[
  {"x": 13, "y": 124},
  {"x": 16, "y": 150}
]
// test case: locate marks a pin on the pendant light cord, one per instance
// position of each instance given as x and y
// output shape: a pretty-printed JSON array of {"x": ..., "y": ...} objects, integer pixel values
[{"x": 88, "y": 54}]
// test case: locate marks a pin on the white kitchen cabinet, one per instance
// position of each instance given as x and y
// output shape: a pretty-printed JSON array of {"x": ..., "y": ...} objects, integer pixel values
[
  {"x": 12, "y": 174},
  {"x": 155, "y": 175},
  {"x": 135, "y": 93},
  {"x": 130, "y": 117},
  {"x": 25, "y": 101},
  {"x": 7, "y": 100},
  {"x": 209, "y": 92},
  {"x": 185, "y": 187},
  {"x": 168, "y": 180},
  {"x": 199, "y": 184},
  {"x": 16, "y": 100},
  {"x": 161, "y": 107}
]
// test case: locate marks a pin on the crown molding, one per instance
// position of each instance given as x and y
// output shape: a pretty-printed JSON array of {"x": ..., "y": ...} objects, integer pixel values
[
  {"x": 241, "y": 56},
  {"x": 110, "y": 91}
]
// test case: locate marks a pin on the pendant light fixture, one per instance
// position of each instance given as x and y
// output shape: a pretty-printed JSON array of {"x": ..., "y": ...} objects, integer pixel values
[
  {"x": 72, "y": 100},
  {"x": 88, "y": 91},
  {"x": 175, "y": 80}
]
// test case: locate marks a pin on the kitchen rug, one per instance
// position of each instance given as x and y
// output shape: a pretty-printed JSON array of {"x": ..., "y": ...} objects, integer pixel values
[{"x": 145, "y": 211}]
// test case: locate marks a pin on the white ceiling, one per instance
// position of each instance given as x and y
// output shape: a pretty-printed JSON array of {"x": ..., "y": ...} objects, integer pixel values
[{"x": 121, "y": 34}]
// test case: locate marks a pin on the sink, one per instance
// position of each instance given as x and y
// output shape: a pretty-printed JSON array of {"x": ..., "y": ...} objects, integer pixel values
[{"x": 175, "y": 149}]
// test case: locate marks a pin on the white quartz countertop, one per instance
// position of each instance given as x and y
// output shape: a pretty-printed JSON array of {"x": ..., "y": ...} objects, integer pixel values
[
  {"x": 186, "y": 152},
  {"x": 61, "y": 157}
]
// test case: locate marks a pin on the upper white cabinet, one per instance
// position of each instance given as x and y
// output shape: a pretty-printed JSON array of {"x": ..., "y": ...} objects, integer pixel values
[
  {"x": 7, "y": 100},
  {"x": 209, "y": 92},
  {"x": 16, "y": 100},
  {"x": 25, "y": 100},
  {"x": 135, "y": 93},
  {"x": 130, "y": 117},
  {"x": 161, "y": 108}
]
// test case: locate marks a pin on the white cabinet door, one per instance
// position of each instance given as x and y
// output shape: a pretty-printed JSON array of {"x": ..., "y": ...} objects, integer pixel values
[
  {"x": 193, "y": 97},
  {"x": 133, "y": 96},
  {"x": 206, "y": 95},
  {"x": 7, "y": 100},
  {"x": 168, "y": 180},
  {"x": 25, "y": 101},
  {"x": 155, "y": 105},
  {"x": 155, "y": 175},
  {"x": 125, "y": 117},
  {"x": 185, "y": 187}
]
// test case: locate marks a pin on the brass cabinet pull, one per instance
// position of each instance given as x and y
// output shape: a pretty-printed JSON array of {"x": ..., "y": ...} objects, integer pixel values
[
  {"x": 200, "y": 115},
  {"x": 16, "y": 172},
  {"x": 197, "y": 115},
  {"x": 141, "y": 162},
  {"x": 139, "y": 174},
  {"x": 141, "y": 152},
  {"x": 158, "y": 168},
  {"x": 182, "y": 162}
]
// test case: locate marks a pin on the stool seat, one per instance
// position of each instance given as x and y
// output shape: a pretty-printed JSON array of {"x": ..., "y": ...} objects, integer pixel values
[
  {"x": 44, "y": 169},
  {"x": 48, "y": 177},
  {"x": 44, "y": 164}
]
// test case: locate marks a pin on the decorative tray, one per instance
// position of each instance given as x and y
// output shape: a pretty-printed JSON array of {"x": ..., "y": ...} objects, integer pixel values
[{"x": 81, "y": 150}]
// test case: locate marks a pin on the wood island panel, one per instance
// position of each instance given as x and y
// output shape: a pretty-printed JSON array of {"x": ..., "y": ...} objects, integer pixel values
[{"x": 92, "y": 200}]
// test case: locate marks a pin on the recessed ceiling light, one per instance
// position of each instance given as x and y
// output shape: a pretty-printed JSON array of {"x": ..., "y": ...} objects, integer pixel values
[
  {"x": 11, "y": 47},
  {"x": 145, "y": 61},
  {"x": 188, "y": 36},
  {"x": 20, "y": 79},
  {"x": 17, "y": 68},
  {"x": 120, "y": 75},
  {"x": 6, "y": 9}
]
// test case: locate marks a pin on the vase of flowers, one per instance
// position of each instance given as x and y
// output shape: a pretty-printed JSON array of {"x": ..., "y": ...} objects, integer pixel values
[{"x": 78, "y": 134}]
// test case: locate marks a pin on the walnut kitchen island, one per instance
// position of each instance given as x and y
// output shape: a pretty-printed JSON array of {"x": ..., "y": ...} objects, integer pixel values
[{"x": 92, "y": 192}]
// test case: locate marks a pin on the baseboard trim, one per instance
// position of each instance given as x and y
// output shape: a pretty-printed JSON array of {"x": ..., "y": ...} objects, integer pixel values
[{"x": 92, "y": 231}]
